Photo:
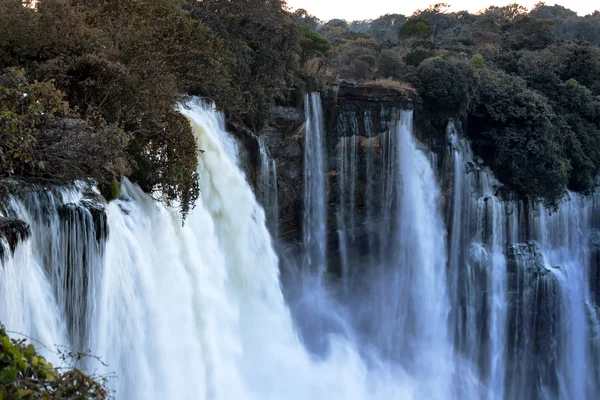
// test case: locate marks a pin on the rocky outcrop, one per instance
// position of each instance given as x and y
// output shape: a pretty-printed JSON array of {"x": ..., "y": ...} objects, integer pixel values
[
  {"x": 526, "y": 258},
  {"x": 87, "y": 211},
  {"x": 12, "y": 232},
  {"x": 247, "y": 145},
  {"x": 284, "y": 137},
  {"x": 367, "y": 111}
]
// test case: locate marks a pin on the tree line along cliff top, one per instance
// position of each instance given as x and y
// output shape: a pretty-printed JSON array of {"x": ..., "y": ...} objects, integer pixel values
[{"x": 88, "y": 88}]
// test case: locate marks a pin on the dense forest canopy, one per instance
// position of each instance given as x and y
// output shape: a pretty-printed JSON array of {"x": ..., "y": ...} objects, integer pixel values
[
  {"x": 88, "y": 88},
  {"x": 528, "y": 83}
]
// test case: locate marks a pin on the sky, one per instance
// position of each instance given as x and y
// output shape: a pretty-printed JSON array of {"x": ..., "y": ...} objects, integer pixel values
[{"x": 370, "y": 9}]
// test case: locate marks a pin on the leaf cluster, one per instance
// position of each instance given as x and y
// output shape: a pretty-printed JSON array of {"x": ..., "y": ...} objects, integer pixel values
[{"x": 25, "y": 374}]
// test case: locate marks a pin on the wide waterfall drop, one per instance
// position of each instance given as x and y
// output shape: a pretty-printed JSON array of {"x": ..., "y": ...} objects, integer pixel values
[
  {"x": 563, "y": 236},
  {"x": 192, "y": 312},
  {"x": 449, "y": 288},
  {"x": 520, "y": 275}
]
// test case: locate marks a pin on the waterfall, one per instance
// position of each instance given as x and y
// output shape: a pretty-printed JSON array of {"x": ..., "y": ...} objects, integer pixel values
[
  {"x": 267, "y": 186},
  {"x": 419, "y": 278},
  {"x": 174, "y": 312},
  {"x": 315, "y": 216},
  {"x": 477, "y": 264},
  {"x": 397, "y": 301},
  {"x": 519, "y": 274},
  {"x": 563, "y": 239},
  {"x": 450, "y": 289},
  {"x": 348, "y": 165}
]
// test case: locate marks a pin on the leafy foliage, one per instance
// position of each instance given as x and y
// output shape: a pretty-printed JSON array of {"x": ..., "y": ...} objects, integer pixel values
[
  {"x": 520, "y": 136},
  {"x": 108, "y": 74},
  {"x": 447, "y": 88},
  {"x": 312, "y": 45},
  {"x": 525, "y": 81},
  {"x": 118, "y": 68},
  {"x": 40, "y": 136},
  {"x": 416, "y": 28},
  {"x": 265, "y": 41},
  {"x": 24, "y": 374}
]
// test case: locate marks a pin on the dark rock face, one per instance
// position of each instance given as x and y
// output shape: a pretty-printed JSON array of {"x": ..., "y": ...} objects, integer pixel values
[
  {"x": 359, "y": 119},
  {"x": 348, "y": 102},
  {"x": 247, "y": 144},
  {"x": 284, "y": 137},
  {"x": 14, "y": 231},
  {"x": 87, "y": 210},
  {"x": 349, "y": 109}
]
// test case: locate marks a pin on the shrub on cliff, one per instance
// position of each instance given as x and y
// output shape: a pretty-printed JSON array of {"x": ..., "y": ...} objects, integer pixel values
[
  {"x": 447, "y": 87},
  {"x": 520, "y": 136},
  {"x": 40, "y": 136},
  {"x": 24, "y": 374},
  {"x": 265, "y": 41},
  {"x": 390, "y": 65},
  {"x": 580, "y": 110},
  {"x": 415, "y": 28},
  {"x": 31, "y": 34}
]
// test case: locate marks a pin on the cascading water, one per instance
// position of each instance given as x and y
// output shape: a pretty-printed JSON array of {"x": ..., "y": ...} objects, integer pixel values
[
  {"x": 398, "y": 306},
  {"x": 314, "y": 226},
  {"x": 563, "y": 238},
  {"x": 530, "y": 322},
  {"x": 267, "y": 187},
  {"x": 462, "y": 294},
  {"x": 476, "y": 265},
  {"x": 518, "y": 327},
  {"x": 192, "y": 312}
]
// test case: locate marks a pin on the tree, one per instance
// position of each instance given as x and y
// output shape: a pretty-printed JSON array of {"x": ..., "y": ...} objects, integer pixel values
[
  {"x": 303, "y": 18},
  {"x": 265, "y": 41},
  {"x": 358, "y": 58},
  {"x": 386, "y": 28},
  {"x": 447, "y": 88},
  {"x": 40, "y": 135},
  {"x": 312, "y": 45},
  {"x": 520, "y": 136},
  {"x": 529, "y": 33},
  {"x": 389, "y": 65},
  {"x": 436, "y": 16},
  {"x": 416, "y": 28}
]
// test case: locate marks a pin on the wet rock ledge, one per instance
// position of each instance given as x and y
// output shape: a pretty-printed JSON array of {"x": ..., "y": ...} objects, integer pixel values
[{"x": 12, "y": 232}]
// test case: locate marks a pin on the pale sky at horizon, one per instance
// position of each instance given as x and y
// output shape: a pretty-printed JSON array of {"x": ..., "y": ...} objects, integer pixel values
[{"x": 370, "y": 9}]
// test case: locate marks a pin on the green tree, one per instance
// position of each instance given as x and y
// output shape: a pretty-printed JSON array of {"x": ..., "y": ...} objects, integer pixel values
[
  {"x": 416, "y": 28},
  {"x": 312, "y": 45},
  {"x": 303, "y": 18},
  {"x": 520, "y": 136},
  {"x": 437, "y": 17},
  {"x": 266, "y": 42},
  {"x": 447, "y": 88}
]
